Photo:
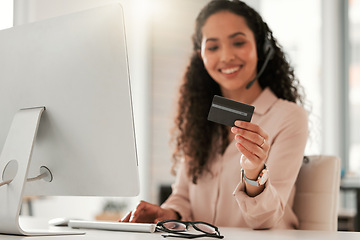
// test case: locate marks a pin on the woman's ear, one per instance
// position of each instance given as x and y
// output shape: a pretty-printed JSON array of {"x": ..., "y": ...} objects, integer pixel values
[{"x": 199, "y": 53}]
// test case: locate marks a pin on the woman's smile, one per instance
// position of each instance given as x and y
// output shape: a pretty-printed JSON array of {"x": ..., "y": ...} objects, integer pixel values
[
  {"x": 228, "y": 51},
  {"x": 230, "y": 71}
]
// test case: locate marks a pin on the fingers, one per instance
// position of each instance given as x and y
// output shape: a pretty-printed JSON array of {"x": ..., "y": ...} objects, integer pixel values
[
  {"x": 258, "y": 141},
  {"x": 126, "y": 218},
  {"x": 148, "y": 213},
  {"x": 251, "y": 152},
  {"x": 144, "y": 213},
  {"x": 138, "y": 211},
  {"x": 134, "y": 215},
  {"x": 251, "y": 141},
  {"x": 250, "y": 131}
]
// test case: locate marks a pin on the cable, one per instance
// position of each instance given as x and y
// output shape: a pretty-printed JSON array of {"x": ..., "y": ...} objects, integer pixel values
[
  {"x": 5, "y": 182},
  {"x": 39, "y": 177}
]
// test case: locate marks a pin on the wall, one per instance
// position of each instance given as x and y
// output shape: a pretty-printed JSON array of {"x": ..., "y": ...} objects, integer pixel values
[{"x": 171, "y": 32}]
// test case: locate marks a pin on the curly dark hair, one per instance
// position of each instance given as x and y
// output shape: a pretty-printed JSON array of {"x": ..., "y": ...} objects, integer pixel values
[{"x": 195, "y": 136}]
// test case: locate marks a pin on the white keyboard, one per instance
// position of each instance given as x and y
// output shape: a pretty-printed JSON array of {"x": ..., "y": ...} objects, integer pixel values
[{"x": 114, "y": 226}]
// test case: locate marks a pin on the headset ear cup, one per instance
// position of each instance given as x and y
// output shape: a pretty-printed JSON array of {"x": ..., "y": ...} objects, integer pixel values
[
  {"x": 269, "y": 52},
  {"x": 268, "y": 49}
]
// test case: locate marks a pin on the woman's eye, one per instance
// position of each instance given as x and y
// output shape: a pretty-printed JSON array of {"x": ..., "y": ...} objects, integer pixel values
[
  {"x": 238, "y": 44},
  {"x": 213, "y": 48}
]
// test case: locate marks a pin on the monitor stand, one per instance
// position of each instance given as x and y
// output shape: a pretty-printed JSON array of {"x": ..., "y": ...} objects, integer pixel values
[{"x": 14, "y": 162}]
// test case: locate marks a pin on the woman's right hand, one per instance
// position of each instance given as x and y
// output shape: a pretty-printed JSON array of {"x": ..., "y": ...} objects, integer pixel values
[{"x": 149, "y": 213}]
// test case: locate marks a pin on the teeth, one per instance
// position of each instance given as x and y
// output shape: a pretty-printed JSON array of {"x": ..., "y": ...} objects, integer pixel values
[{"x": 229, "y": 70}]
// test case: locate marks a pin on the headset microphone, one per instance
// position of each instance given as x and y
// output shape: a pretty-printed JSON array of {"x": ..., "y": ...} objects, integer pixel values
[{"x": 269, "y": 50}]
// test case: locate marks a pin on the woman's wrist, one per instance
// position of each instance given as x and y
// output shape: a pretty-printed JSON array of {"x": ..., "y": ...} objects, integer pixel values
[
  {"x": 172, "y": 214},
  {"x": 253, "y": 173},
  {"x": 178, "y": 216}
]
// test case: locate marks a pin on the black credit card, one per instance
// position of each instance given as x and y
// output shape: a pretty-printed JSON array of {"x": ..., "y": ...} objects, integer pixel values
[{"x": 226, "y": 111}]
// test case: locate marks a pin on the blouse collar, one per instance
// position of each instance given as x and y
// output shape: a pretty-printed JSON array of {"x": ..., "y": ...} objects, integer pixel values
[{"x": 265, "y": 101}]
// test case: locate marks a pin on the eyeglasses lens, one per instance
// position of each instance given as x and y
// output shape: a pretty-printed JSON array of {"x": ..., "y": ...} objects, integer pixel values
[
  {"x": 175, "y": 226},
  {"x": 206, "y": 228}
]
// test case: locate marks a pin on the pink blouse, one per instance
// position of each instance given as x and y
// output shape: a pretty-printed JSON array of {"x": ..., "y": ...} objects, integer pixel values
[{"x": 219, "y": 198}]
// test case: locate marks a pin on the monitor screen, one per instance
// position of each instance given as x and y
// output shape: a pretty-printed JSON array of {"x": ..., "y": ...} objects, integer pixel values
[{"x": 76, "y": 67}]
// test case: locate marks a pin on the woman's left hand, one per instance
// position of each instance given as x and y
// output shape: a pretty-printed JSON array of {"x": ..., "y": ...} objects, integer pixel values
[{"x": 252, "y": 142}]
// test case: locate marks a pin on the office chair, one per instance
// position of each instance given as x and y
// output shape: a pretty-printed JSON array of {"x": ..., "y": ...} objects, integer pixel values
[{"x": 317, "y": 193}]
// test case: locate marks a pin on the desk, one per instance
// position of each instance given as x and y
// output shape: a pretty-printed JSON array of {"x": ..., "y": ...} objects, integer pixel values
[
  {"x": 229, "y": 233},
  {"x": 351, "y": 185}
]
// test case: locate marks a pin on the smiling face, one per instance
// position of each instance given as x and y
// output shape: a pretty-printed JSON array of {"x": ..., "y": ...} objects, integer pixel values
[{"x": 228, "y": 50}]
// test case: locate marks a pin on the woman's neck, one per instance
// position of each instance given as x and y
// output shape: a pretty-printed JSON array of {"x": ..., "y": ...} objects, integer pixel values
[{"x": 243, "y": 95}]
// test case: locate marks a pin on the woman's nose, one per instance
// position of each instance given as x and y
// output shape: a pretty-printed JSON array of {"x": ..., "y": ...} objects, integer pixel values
[{"x": 227, "y": 55}]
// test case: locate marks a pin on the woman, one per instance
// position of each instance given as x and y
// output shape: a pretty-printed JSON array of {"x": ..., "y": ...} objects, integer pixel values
[{"x": 223, "y": 178}]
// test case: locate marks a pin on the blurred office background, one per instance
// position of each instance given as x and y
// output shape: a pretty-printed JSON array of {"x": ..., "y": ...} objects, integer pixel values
[{"x": 321, "y": 38}]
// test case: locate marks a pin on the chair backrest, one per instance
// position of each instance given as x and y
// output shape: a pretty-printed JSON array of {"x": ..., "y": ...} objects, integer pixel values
[{"x": 317, "y": 193}]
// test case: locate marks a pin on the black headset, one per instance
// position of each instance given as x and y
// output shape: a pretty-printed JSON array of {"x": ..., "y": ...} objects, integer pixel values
[{"x": 269, "y": 53}]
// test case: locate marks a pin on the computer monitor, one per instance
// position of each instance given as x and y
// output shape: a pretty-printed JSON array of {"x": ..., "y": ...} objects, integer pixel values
[{"x": 65, "y": 111}]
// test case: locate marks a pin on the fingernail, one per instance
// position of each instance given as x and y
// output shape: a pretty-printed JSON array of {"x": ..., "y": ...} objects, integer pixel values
[{"x": 238, "y": 123}]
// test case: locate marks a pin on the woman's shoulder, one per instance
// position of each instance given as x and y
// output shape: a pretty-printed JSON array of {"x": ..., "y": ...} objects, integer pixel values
[
  {"x": 269, "y": 104},
  {"x": 288, "y": 107},
  {"x": 277, "y": 112},
  {"x": 290, "y": 111}
]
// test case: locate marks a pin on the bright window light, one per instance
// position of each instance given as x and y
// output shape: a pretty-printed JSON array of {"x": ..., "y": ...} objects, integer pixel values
[{"x": 6, "y": 14}]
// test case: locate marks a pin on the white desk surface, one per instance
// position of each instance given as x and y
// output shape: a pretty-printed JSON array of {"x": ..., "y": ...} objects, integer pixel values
[{"x": 229, "y": 233}]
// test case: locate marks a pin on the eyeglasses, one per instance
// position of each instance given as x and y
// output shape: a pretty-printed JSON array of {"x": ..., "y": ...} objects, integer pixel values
[{"x": 179, "y": 228}]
